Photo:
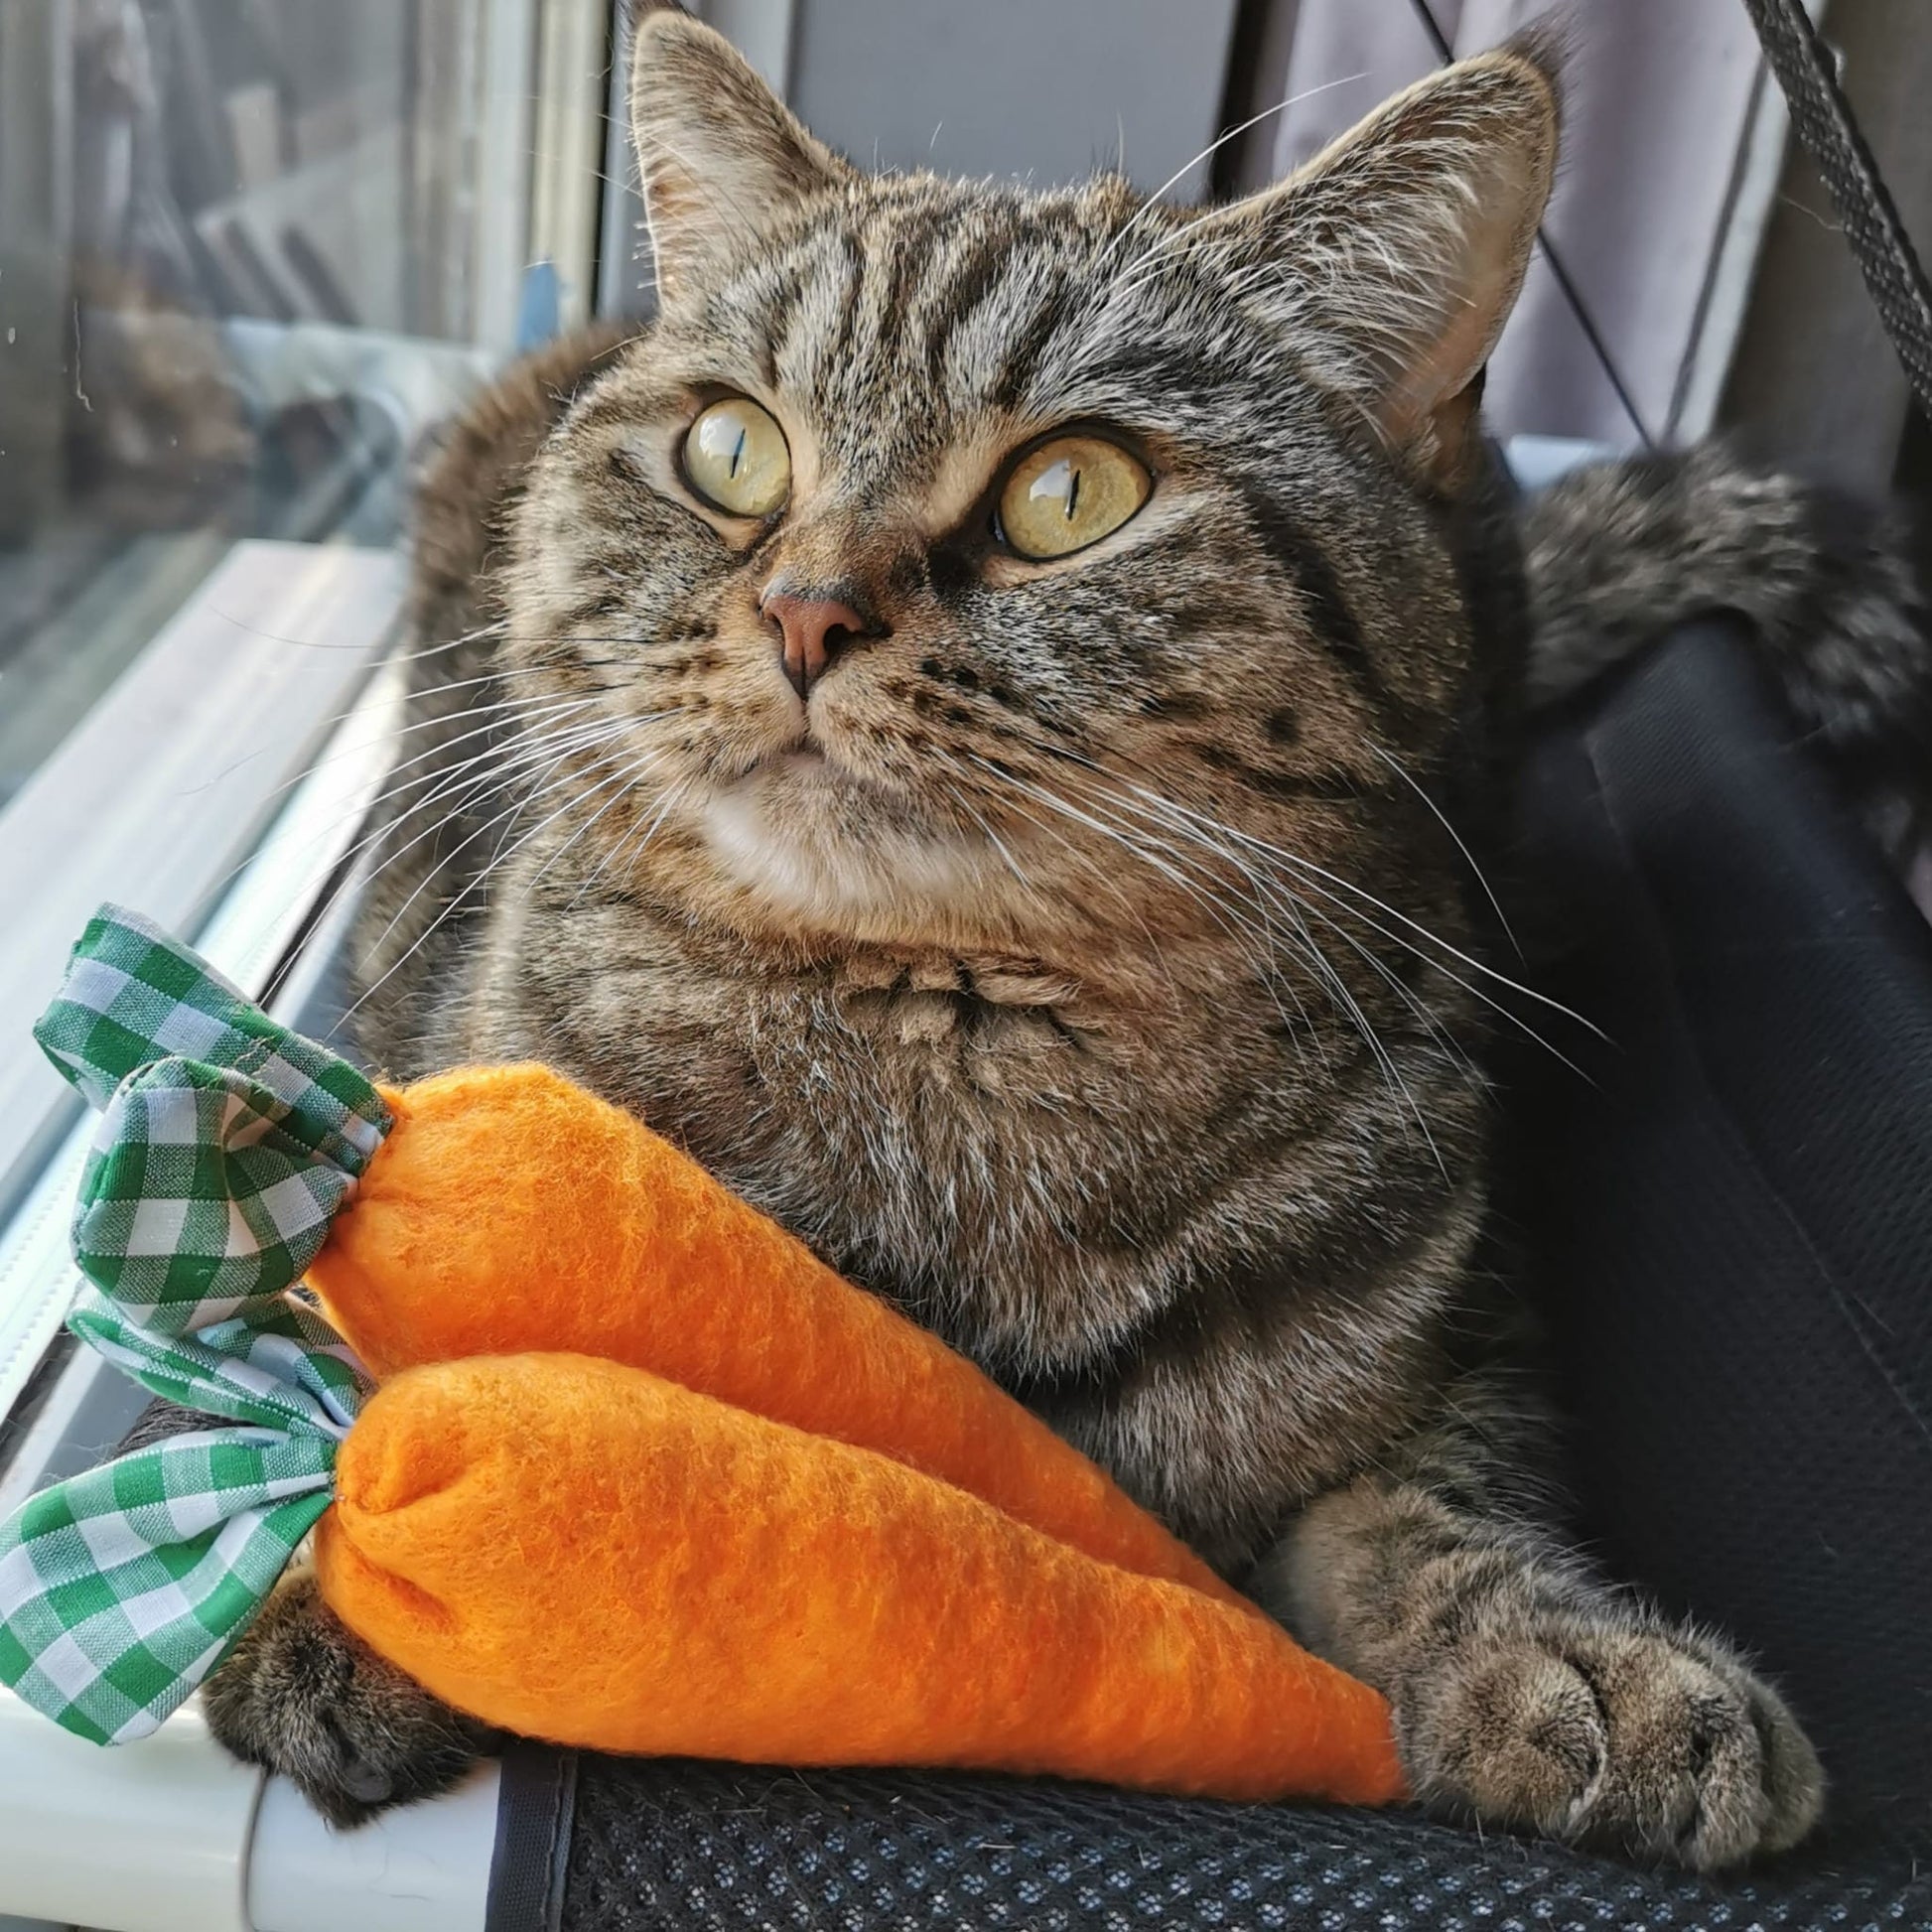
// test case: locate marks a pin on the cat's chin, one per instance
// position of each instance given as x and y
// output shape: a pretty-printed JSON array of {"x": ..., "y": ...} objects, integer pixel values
[{"x": 809, "y": 843}]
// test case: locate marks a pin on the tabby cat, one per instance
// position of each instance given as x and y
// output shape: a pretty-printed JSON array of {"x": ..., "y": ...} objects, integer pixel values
[{"x": 956, "y": 723}]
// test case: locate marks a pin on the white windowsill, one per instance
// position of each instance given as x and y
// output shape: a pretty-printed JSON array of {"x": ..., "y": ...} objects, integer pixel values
[
  {"x": 165, "y": 787},
  {"x": 160, "y": 801}
]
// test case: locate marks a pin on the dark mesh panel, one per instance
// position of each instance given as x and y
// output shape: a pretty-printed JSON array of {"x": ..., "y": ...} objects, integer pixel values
[{"x": 701, "y": 1847}]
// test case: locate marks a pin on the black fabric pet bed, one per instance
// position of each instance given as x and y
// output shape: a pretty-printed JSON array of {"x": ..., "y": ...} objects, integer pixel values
[{"x": 1729, "y": 1222}]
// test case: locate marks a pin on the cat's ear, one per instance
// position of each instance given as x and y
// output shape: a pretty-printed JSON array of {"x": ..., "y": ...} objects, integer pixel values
[
  {"x": 722, "y": 156},
  {"x": 1395, "y": 256}
]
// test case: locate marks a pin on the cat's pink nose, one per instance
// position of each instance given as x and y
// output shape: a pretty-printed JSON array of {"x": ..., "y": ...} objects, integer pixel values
[{"x": 816, "y": 629}]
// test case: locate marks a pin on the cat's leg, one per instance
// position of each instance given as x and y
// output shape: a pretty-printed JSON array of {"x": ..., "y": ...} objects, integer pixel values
[
  {"x": 1527, "y": 1693},
  {"x": 302, "y": 1695}
]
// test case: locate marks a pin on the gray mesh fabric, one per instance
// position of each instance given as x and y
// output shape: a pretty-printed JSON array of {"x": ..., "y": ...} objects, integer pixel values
[{"x": 704, "y": 1847}]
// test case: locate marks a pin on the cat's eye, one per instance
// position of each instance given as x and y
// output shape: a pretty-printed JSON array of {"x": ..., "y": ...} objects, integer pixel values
[
  {"x": 1070, "y": 493},
  {"x": 736, "y": 459}
]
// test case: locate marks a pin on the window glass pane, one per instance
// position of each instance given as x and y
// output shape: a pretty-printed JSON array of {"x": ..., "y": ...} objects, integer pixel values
[{"x": 244, "y": 261}]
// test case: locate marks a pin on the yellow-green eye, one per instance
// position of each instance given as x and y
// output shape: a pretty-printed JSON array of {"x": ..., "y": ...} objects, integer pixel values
[
  {"x": 737, "y": 458},
  {"x": 1069, "y": 493}
]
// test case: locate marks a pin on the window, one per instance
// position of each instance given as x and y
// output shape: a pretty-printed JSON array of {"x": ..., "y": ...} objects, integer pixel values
[
  {"x": 251, "y": 253},
  {"x": 246, "y": 263}
]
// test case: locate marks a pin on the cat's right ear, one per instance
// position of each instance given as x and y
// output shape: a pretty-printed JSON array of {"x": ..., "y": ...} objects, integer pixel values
[
  {"x": 722, "y": 154},
  {"x": 1394, "y": 257}
]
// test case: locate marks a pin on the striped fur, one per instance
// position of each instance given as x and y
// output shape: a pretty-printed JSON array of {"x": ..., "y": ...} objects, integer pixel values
[{"x": 1099, "y": 979}]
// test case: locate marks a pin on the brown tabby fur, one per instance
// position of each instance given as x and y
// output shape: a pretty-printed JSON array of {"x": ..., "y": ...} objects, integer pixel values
[{"x": 1086, "y": 968}]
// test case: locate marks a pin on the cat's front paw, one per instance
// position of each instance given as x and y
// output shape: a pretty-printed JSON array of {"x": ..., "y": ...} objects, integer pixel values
[
  {"x": 303, "y": 1696},
  {"x": 1644, "y": 1740}
]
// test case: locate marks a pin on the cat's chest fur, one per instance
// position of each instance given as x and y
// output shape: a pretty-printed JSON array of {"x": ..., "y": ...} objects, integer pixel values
[{"x": 1030, "y": 1170}]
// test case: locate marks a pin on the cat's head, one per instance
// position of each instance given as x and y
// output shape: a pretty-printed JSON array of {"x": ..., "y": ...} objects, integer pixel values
[{"x": 956, "y": 564}]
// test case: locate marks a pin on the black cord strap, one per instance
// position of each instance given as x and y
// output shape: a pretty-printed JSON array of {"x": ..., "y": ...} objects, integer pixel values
[{"x": 1822, "y": 120}]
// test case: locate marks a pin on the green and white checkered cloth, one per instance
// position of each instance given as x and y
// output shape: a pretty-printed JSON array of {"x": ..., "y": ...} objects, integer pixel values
[{"x": 226, "y": 1148}]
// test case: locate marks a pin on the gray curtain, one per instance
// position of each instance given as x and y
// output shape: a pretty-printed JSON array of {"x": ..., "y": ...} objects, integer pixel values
[{"x": 1662, "y": 99}]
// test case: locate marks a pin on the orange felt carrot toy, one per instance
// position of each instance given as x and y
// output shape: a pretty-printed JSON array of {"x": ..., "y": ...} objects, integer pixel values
[
  {"x": 614, "y": 1244},
  {"x": 756, "y": 1593},
  {"x": 642, "y": 1474}
]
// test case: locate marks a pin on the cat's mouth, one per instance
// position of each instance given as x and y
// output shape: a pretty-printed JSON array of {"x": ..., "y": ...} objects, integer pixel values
[
  {"x": 807, "y": 759},
  {"x": 805, "y": 795}
]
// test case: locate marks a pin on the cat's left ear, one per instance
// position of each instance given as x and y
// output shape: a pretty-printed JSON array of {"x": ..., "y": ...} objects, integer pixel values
[
  {"x": 1394, "y": 257},
  {"x": 723, "y": 156}
]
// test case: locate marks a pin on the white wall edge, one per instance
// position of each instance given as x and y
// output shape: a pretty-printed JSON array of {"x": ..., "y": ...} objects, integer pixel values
[{"x": 171, "y": 1835}]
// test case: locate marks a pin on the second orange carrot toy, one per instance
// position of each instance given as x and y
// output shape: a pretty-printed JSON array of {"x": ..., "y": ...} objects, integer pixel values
[{"x": 717, "y": 1586}]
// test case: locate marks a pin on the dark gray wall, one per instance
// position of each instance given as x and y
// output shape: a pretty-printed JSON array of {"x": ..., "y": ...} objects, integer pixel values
[
  {"x": 1047, "y": 88},
  {"x": 1044, "y": 87}
]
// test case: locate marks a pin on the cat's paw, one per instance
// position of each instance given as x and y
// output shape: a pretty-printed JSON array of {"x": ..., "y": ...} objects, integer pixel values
[
  {"x": 303, "y": 1696},
  {"x": 1643, "y": 1740}
]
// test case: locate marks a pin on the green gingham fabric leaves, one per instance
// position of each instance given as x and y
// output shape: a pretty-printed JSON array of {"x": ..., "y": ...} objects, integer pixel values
[
  {"x": 133, "y": 996},
  {"x": 122, "y": 1589},
  {"x": 226, "y": 1145}
]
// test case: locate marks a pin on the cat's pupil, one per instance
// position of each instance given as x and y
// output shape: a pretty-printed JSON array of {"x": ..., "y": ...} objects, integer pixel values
[
  {"x": 738, "y": 452},
  {"x": 1072, "y": 495}
]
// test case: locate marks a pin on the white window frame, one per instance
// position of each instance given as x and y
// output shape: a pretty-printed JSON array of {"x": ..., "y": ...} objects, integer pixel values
[
  {"x": 223, "y": 784},
  {"x": 156, "y": 800}
]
